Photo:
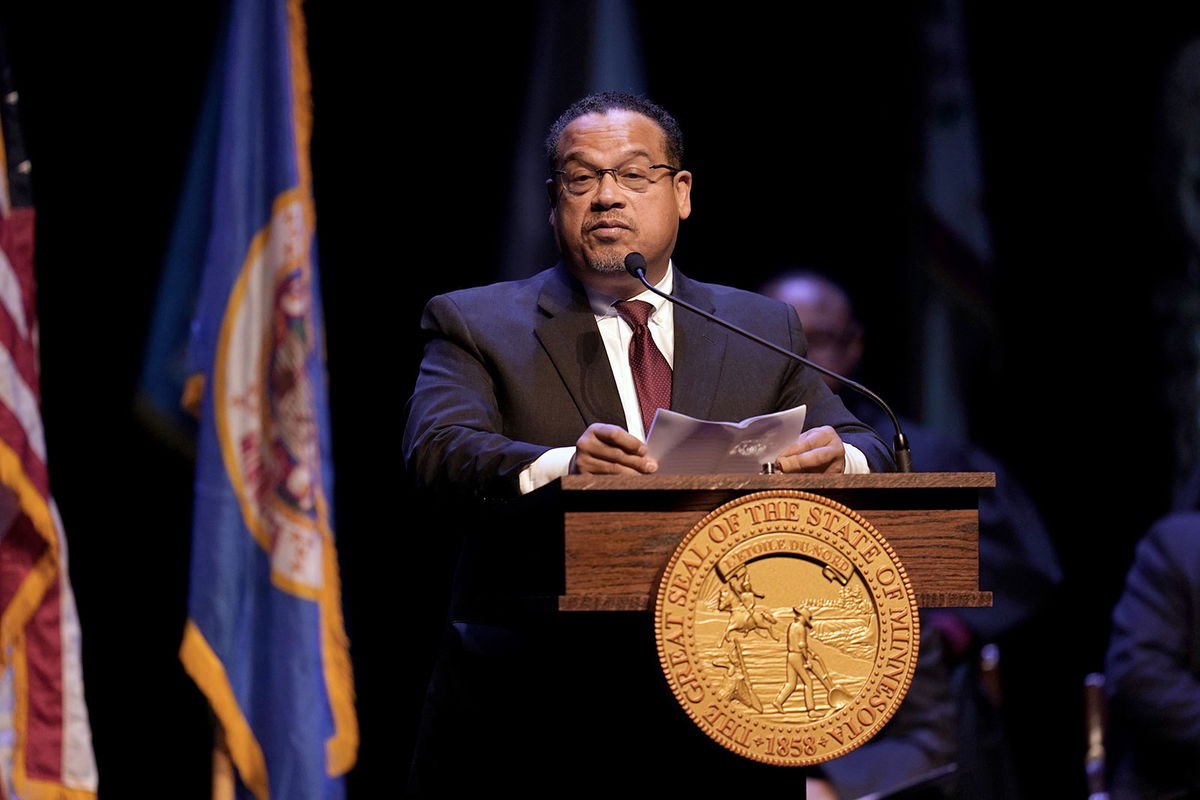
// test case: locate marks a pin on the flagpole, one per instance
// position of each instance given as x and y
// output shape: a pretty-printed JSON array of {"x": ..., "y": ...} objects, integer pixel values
[{"x": 222, "y": 766}]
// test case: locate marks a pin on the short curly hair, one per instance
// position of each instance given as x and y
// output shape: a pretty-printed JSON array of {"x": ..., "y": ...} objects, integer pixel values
[{"x": 603, "y": 102}]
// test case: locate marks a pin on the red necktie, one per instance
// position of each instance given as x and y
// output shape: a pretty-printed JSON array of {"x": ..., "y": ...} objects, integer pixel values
[{"x": 651, "y": 372}]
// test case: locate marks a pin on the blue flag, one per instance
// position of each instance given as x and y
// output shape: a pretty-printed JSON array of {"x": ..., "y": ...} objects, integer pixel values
[{"x": 265, "y": 640}]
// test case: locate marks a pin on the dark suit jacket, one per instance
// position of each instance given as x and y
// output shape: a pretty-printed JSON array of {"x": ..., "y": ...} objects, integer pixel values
[
  {"x": 1153, "y": 669},
  {"x": 514, "y": 369}
]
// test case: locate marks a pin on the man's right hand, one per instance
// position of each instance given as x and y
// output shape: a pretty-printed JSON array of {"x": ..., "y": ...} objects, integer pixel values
[{"x": 610, "y": 450}]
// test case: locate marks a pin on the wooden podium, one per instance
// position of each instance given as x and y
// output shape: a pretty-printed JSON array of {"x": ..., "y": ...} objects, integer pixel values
[
  {"x": 617, "y": 533},
  {"x": 587, "y": 689}
]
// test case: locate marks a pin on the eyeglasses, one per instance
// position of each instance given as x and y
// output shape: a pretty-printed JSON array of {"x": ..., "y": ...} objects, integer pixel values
[{"x": 578, "y": 180}]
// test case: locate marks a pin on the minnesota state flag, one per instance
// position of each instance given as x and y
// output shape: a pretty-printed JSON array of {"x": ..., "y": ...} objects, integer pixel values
[{"x": 265, "y": 640}]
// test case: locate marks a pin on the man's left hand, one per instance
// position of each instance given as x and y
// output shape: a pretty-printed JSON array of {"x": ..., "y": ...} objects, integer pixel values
[{"x": 815, "y": 450}]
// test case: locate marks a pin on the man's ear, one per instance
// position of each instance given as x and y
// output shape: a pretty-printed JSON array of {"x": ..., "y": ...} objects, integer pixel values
[
  {"x": 683, "y": 193},
  {"x": 552, "y": 193}
]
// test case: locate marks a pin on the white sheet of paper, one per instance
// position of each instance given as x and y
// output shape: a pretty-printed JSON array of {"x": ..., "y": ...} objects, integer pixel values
[{"x": 684, "y": 445}]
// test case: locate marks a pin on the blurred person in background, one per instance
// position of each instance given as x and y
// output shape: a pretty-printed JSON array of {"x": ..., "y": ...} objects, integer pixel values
[
  {"x": 1018, "y": 563},
  {"x": 1153, "y": 667}
]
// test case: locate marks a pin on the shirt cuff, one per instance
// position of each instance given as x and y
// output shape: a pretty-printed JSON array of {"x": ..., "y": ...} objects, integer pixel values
[
  {"x": 856, "y": 462},
  {"x": 556, "y": 463}
]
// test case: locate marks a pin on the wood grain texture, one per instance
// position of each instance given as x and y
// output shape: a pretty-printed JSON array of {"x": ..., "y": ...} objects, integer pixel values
[{"x": 619, "y": 532}]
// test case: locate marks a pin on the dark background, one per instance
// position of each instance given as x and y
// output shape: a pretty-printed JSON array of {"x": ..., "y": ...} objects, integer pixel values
[{"x": 804, "y": 139}]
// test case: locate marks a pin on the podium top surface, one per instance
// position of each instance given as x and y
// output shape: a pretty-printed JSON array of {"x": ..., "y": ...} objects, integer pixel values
[{"x": 762, "y": 483}]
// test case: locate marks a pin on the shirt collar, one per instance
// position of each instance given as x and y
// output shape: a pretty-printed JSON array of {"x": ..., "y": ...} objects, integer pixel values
[{"x": 602, "y": 304}]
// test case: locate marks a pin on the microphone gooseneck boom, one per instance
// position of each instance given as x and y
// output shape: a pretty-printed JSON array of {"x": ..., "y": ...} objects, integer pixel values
[{"x": 635, "y": 265}]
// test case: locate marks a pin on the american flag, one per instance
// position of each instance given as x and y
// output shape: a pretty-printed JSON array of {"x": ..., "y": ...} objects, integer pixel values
[{"x": 45, "y": 738}]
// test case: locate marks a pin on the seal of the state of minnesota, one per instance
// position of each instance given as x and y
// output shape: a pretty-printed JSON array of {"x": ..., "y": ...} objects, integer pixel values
[{"x": 787, "y": 628}]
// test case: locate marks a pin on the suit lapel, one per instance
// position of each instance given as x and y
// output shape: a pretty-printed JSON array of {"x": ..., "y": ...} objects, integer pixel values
[
  {"x": 568, "y": 334},
  {"x": 699, "y": 352}
]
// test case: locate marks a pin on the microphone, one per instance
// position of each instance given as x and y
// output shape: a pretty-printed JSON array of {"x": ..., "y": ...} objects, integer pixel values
[{"x": 635, "y": 265}]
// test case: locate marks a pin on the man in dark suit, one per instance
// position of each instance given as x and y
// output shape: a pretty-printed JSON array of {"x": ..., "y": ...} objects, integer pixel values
[
  {"x": 1153, "y": 670},
  {"x": 527, "y": 381},
  {"x": 514, "y": 370}
]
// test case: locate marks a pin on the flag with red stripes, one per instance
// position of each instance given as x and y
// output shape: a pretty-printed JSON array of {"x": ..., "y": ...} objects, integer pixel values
[{"x": 45, "y": 738}]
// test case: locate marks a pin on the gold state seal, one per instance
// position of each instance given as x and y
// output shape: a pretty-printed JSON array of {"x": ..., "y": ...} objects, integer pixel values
[{"x": 787, "y": 628}]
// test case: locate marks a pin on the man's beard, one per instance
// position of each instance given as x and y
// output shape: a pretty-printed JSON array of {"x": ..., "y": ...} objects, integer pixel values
[{"x": 606, "y": 263}]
